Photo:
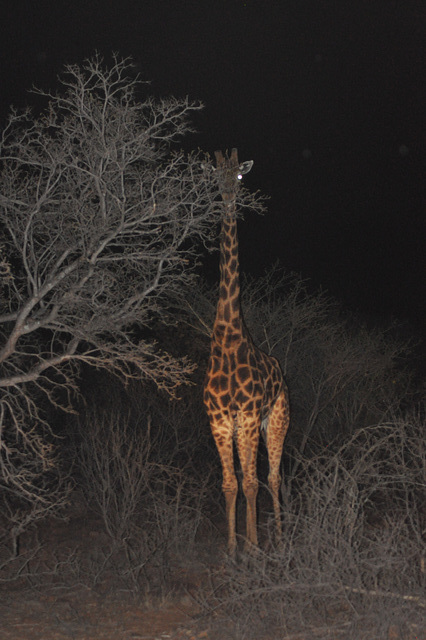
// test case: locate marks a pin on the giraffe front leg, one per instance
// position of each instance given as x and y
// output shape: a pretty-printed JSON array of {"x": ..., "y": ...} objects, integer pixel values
[
  {"x": 248, "y": 442},
  {"x": 222, "y": 434},
  {"x": 230, "y": 492}
]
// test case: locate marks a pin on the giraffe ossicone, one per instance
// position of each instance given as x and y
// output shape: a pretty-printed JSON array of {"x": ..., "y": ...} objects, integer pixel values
[
  {"x": 242, "y": 170},
  {"x": 244, "y": 390}
]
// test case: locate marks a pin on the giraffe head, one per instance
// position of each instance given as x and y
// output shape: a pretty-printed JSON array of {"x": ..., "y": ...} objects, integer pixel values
[{"x": 230, "y": 173}]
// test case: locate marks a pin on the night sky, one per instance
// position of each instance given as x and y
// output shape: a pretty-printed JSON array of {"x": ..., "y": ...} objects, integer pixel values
[{"x": 327, "y": 97}]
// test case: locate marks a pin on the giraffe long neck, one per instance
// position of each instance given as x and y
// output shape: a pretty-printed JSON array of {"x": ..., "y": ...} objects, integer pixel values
[{"x": 228, "y": 316}]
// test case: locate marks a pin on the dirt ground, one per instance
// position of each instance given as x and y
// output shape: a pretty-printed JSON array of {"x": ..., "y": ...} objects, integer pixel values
[
  {"x": 82, "y": 615},
  {"x": 50, "y": 607},
  {"x": 56, "y": 603}
]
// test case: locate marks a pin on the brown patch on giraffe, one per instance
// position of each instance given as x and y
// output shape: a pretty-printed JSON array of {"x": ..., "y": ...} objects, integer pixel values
[
  {"x": 233, "y": 289},
  {"x": 227, "y": 312},
  {"x": 243, "y": 374}
]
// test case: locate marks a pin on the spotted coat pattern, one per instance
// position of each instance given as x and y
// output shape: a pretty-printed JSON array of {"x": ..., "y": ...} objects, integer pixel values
[{"x": 244, "y": 391}]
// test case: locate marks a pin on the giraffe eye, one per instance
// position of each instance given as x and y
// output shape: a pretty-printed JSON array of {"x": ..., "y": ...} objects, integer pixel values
[{"x": 240, "y": 176}]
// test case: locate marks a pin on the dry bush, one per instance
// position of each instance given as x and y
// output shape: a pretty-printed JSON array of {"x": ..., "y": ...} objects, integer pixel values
[
  {"x": 150, "y": 508},
  {"x": 342, "y": 375},
  {"x": 353, "y": 549},
  {"x": 182, "y": 434},
  {"x": 179, "y": 430},
  {"x": 20, "y": 518}
]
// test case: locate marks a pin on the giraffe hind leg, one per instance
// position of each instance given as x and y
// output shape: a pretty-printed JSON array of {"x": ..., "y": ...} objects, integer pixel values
[{"x": 276, "y": 431}]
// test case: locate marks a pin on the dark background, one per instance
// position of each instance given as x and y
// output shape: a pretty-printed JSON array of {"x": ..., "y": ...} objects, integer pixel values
[{"x": 327, "y": 97}]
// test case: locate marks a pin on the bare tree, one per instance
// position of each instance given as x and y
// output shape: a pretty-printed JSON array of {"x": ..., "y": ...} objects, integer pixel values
[{"x": 99, "y": 224}]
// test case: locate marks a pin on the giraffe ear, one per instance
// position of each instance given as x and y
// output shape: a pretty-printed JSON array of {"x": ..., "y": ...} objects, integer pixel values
[{"x": 244, "y": 168}]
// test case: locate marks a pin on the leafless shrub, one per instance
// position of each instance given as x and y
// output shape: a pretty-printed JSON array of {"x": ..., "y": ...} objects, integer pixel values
[
  {"x": 19, "y": 519},
  {"x": 16, "y": 566},
  {"x": 353, "y": 545},
  {"x": 19, "y": 516},
  {"x": 342, "y": 376},
  {"x": 150, "y": 509},
  {"x": 179, "y": 426}
]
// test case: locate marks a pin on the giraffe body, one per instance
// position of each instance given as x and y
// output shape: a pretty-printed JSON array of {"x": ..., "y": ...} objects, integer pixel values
[{"x": 244, "y": 391}]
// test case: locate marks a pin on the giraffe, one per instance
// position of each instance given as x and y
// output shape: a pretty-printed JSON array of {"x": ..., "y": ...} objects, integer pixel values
[{"x": 244, "y": 390}]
